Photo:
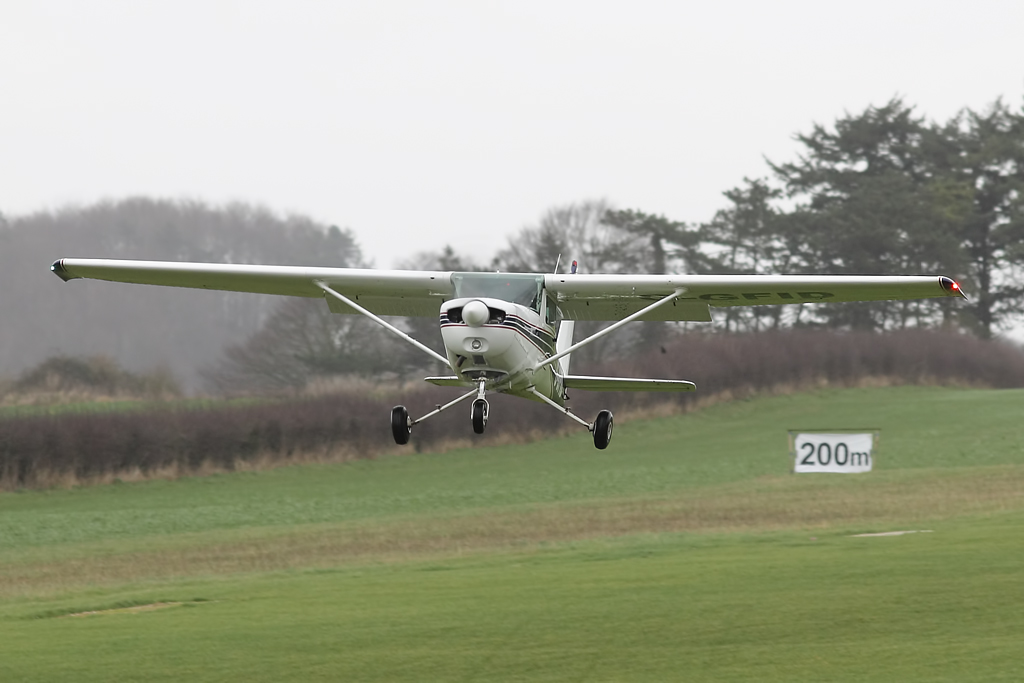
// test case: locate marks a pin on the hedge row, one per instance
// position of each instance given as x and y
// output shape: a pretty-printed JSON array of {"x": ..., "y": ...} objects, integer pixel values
[{"x": 36, "y": 450}]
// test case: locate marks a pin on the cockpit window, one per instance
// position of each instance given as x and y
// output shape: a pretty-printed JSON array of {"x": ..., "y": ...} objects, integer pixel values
[{"x": 521, "y": 289}]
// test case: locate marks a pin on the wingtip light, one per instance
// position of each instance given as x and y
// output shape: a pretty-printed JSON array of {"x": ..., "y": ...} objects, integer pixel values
[
  {"x": 58, "y": 269},
  {"x": 951, "y": 286}
]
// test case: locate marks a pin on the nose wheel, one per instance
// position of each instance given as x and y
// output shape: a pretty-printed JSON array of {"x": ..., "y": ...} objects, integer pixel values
[{"x": 480, "y": 410}]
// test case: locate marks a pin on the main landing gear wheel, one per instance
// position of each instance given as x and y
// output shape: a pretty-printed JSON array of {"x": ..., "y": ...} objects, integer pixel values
[
  {"x": 480, "y": 410},
  {"x": 603, "y": 429},
  {"x": 401, "y": 426}
]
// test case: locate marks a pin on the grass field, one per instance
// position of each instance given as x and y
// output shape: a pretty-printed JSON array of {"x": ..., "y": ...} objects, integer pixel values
[{"x": 686, "y": 551}]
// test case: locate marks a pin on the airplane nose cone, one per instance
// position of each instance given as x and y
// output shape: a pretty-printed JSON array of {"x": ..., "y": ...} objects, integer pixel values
[{"x": 475, "y": 313}]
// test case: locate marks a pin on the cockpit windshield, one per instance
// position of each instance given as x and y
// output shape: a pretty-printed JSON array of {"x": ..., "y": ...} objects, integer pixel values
[{"x": 521, "y": 289}]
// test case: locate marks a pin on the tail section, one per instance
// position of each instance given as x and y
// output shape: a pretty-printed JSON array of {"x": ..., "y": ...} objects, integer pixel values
[{"x": 626, "y": 384}]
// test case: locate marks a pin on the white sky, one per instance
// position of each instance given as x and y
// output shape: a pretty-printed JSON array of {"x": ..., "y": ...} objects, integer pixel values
[{"x": 423, "y": 123}]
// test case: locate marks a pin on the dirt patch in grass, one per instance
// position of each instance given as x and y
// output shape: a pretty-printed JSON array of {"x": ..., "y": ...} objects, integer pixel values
[
  {"x": 126, "y": 610},
  {"x": 122, "y": 607},
  {"x": 879, "y": 534}
]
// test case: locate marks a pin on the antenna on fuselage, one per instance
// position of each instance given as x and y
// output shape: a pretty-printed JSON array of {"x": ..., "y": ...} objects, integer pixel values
[{"x": 557, "y": 261}]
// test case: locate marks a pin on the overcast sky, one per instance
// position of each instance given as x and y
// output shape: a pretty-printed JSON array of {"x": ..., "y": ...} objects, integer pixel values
[{"x": 423, "y": 123}]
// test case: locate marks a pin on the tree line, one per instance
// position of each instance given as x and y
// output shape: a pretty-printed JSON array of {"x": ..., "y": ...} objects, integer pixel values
[
  {"x": 143, "y": 328},
  {"x": 882, "y": 191}
]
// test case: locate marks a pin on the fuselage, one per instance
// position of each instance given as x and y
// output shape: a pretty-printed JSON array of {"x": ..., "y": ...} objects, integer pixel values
[{"x": 502, "y": 340}]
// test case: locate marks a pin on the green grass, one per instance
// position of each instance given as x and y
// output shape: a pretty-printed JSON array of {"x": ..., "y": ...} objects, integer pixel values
[{"x": 687, "y": 551}]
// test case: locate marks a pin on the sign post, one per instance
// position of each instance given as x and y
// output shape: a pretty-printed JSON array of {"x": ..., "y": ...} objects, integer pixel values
[{"x": 833, "y": 450}]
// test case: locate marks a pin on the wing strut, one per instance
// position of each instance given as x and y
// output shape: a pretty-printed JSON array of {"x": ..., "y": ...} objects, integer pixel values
[
  {"x": 561, "y": 409},
  {"x": 380, "y": 321},
  {"x": 608, "y": 330}
]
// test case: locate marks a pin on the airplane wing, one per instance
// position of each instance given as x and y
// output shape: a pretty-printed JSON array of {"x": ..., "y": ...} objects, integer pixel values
[
  {"x": 613, "y": 297},
  {"x": 384, "y": 292},
  {"x": 580, "y": 297}
]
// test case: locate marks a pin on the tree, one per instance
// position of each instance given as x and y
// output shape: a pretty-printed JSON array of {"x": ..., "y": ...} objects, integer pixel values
[
  {"x": 577, "y": 231},
  {"x": 985, "y": 152},
  {"x": 142, "y": 327},
  {"x": 658, "y": 245},
  {"x": 574, "y": 231},
  {"x": 746, "y": 237},
  {"x": 660, "y": 242},
  {"x": 871, "y": 198},
  {"x": 445, "y": 260},
  {"x": 303, "y": 341}
]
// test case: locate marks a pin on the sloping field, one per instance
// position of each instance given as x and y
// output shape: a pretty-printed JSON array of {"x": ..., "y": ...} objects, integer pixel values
[{"x": 686, "y": 551}]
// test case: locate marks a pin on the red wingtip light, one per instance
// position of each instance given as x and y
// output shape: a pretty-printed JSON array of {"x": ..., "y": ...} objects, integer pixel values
[{"x": 951, "y": 286}]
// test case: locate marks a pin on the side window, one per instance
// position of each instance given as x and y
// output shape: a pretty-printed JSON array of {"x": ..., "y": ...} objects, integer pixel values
[{"x": 550, "y": 311}]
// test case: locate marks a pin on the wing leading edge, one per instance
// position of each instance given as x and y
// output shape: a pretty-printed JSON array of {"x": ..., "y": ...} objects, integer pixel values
[{"x": 384, "y": 292}]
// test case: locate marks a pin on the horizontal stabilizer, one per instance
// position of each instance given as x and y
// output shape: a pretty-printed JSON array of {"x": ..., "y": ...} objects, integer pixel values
[
  {"x": 626, "y": 384},
  {"x": 448, "y": 381}
]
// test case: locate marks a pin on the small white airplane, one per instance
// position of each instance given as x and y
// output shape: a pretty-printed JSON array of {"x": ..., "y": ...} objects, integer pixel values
[{"x": 512, "y": 333}]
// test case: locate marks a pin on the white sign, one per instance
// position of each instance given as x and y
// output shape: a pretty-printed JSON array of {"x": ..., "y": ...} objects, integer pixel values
[{"x": 832, "y": 452}]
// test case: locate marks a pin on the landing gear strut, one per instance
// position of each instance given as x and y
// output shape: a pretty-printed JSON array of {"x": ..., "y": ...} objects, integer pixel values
[
  {"x": 401, "y": 425},
  {"x": 601, "y": 428}
]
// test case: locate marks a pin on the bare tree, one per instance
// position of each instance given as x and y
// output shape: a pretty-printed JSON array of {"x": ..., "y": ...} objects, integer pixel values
[
  {"x": 578, "y": 231},
  {"x": 303, "y": 341}
]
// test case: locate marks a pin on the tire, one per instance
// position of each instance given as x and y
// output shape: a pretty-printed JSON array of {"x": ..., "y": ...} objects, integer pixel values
[
  {"x": 400, "y": 427},
  {"x": 603, "y": 429},
  {"x": 479, "y": 415}
]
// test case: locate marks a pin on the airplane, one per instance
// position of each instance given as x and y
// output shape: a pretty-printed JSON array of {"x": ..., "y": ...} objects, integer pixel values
[{"x": 512, "y": 333}]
